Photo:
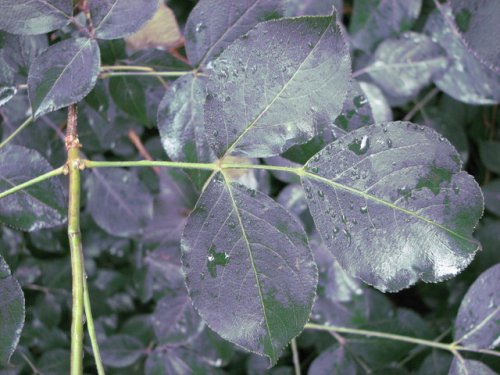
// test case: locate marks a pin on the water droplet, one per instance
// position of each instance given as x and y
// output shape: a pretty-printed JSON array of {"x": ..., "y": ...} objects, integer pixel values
[
  {"x": 310, "y": 45},
  {"x": 360, "y": 101},
  {"x": 210, "y": 258},
  {"x": 321, "y": 194},
  {"x": 360, "y": 147},
  {"x": 441, "y": 138},
  {"x": 308, "y": 189},
  {"x": 199, "y": 27},
  {"x": 347, "y": 234},
  {"x": 456, "y": 189},
  {"x": 389, "y": 142},
  {"x": 364, "y": 209},
  {"x": 231, "y": 225},
  {"x": 315, "y": 169},
  {"x": 215, "y": 133}
]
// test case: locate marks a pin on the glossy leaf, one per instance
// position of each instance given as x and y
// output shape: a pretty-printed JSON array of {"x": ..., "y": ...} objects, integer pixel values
[
  {"x": 334, "y": 361},
  {"x": 477, "y": 325},
  {"x": 248, "y": 267},
  {"x": 209, "y": 31},
  {"x": 40, "y": 206},
  {"x": 258, "y": 107},
  {"x": 404, "y": 65},
  {"x": 115, "y": 19},
  {"x": 121, "y": 351},
  {"x": 118, "y": 201},
  {"x": 62, "y": 75},
  {"x": 34, "y": 16},
  {"x": 390, "y": 217},
  {"x": 11, "y": 313}
]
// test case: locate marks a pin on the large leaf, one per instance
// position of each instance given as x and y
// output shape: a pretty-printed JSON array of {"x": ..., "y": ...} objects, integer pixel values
[
  {"x": 115, "y": 19},
  {"x": 272, "y": 88},
  {"x": 248, "y": 267},
  {"x": 294, "y": 8},
  {"x": 209, "y": 30},
  {"x": 469, "y": 367},
  {"x": 11, "y": 312},
  {"x": 63, "y": 74},
  {"x": 39, "y": 206},
  {"x": 34, "y": 16},
  {"x": 477, "y": 324},
  {"x": 393, "y": 205}
]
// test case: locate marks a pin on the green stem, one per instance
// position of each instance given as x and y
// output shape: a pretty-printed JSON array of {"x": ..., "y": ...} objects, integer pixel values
[
  {"x": 145, "y": 73},
  {"x": 91, "y": 328},
  {"x": 296, "y": 359},
  {"x": 28, "y": 121},
  {"x": 24, "y": 185},
  {"x": 148, "y": 163}
]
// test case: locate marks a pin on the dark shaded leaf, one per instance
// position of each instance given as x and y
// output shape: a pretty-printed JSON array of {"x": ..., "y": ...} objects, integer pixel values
[
  {"x": 294, "y": 8},
  {"x": 62, "y": 75},
  {"x": 267, "y": 91},
  {"x": 209, "y": 31},
  {"x": 115, "y": 19},
  {"x": 11, "y": 313},
  {"x": 390, "y": 217},
  {"x": 34, "y": 16},
  {"x": 129, "y": 95},
  {"x": 333, "y": 361},
  {"x": 212, "y": 348},
  {"x": 249, "y": 270},
  {"x": 490, "y": 155},
  {"x": 491, "y": 193},
  {"x": 176, "y": 361},
  {"x": 469, "y": 367},
  {"x": 118, "y": 201},
  {"x": 121, "y": 351},
  {"x": 437, "y": 362},
  {"x": 54, "y": 362},
  {"x": 39, "y": 206}
]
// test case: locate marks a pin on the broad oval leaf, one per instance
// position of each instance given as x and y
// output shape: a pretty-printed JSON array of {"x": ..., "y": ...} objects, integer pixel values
[
  {"x": 34, "y": 16},
  {"x": 248, "y": 267},
  {"x": 115, "y": 19},
  {"x": 11, "y": 313},
  {"x": 39, "y": 206},
  {"x": 335, "y": 361},
  {"x": 209, "y": 31},
  {"x": 121, "y": 351},
  {"x": 271, "y": 88},
  {"x": 476, "y": 325},
  {"x": 63, "y": 74},
  {"x": 393, "y": 205}
]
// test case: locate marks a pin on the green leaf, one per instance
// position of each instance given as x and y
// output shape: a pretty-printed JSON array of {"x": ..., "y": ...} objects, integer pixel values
[
  {"x": 393, "y": 205},
  {"x": 62, "y": 75},
  {"x": 469, "y": 367},
  {"x": 120, "y": 351},
  {"x": 271, "y": 89},
  {"x": 129, "y": 95},
  {"x": 11, "y": 313},
  {"x": 39, "y": 206},
  {"x": 176, "y": 361},
  {"x": 490, "y": 155},
  {"x": 34, "y": 16},
  {"x": 248, "y": 267},
  {"x": 491, "y": 193},
  {"x": 334, "y": 361}
]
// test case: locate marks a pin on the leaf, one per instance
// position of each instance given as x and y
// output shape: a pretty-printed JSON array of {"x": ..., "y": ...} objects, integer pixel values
[
  {"x": 466, "y": 79},
  {"x": 34, "y": 16},
  {"x": 268, "y": 90},
  {"x": 114, "y": 19},
  {"x": 118, "y": 201},
  {"x": 54, "y": 361},
  {"x": 404, "y": 65},
  {"x": 62, "y": 75},
  {"x": 248, "y": 268},
  {"x": 490, "y": 155},
  {"x": 176, "y": 361},
  {"x": 129, "y": 95},
  {"x": 180, "y": 122},
  {"x": 209, "y": 30},
  {"x": 381, "y": 110},
  {"x": 39, "y": 206},
  {"x": 393, "y": 205},
  {"x": 491, "y": 194},
  {"x": 161, "y": 31},
  {"x": 11, "y": 313},
  {"x": 294, "y": 8},
  {"x": 373, "y": 21},
  {"x": 469, "y": 367},
  {"x": 476, "y": 325},
  {"x": 437, "y": 362},
  {"x": 120, "y": 351},
  {"x": 335, "y": 361}
]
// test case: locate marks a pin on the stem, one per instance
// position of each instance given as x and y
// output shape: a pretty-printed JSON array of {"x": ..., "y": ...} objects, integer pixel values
[
  {"x": 149, "y": 163},
  {"x": 24, "y": 185},
  {"x": 296, "y": 360},
  {"x": 145, "y": 73},
  {"x": 421, "y": 104},
  {"x": 28, "y": 121},
  {"x": 91, "y": 328}
]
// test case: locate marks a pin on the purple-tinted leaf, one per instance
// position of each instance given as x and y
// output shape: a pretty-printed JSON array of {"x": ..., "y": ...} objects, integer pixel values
[
  {"x": 54, "y": 361},
  {"x": 118, "y": 201},
  {"x": 466, "y": 79},
  {"x": 34, "y": 16},
  {"x": 39, "y": 206},
  {"x": 491, "y": 193},
  {"x": 294, "y": 8},
  {"x": 381, "y": 111},
  {"x": 121, "y": 351},
  {"x": 176, "y": 361},
  {"x": 469, "y": 367},
  {"x": 490, "y": 155},
  {"x": 477, "y": 324},
  {"x": 356, "y": 113},
  {"x": 11, "y": 313},
  {"x": 129, "y": 95},
  {"x": 437, "y": 362},
  {"x": 212, "y": 348},
  {"x": 333, "y": 361},
  {"x": 404, "y": 65},
  {"x": 248, "y": 267},
  {"x": 393, "y": 205},
  {"x": 209, "y": 30},
  {"x": 62, "y": 75},
  {"x": 272, "y": 88},
  {"x": 373, "y": 21},
  {"x": 115, "y": 19},
  {"x": 7, "y": 93}
]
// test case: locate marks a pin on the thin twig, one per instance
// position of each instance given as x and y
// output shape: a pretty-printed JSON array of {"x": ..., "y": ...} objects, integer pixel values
[
  {"x": 26, "y": 122},
  {"x": 421, "y": 104},
  {"x": 134, "y": 138}
]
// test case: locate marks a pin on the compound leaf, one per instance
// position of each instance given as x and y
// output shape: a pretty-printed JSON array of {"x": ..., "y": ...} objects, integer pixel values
[
  {"x": 248, "y": 267},
  {"x": 115, "y": 19},
  {"x": 34, "y": 16},
  {"x": 63, "y": 74},
  {"x": 271, "y": 88},
  {"x": 393, "y": 205},
  {"x": 36, "y": 207}
]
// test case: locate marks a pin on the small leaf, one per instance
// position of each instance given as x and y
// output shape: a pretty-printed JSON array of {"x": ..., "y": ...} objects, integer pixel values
[
  {"x": 34, "y": 16},
  {"x": 62, "y": 75},
  {"x": 121, "y": 351},
  {"x": 11, "y": 313},
  {"x": 248, "y": 267},
  {"x": 39, "y": 206},
  {"x": 335, "y": 361},
  {"x": 393, "y": 205},
  {"x": 477, "y": 325},
  {"x": 114, "y": 19},
  {"x": 209, "y": 31},
  {"x": 469, "y": 367},
  {"x": 129, "y": 95},
  {"x": 268, "y": 90},
  {"x": 118, "y": 201}
]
